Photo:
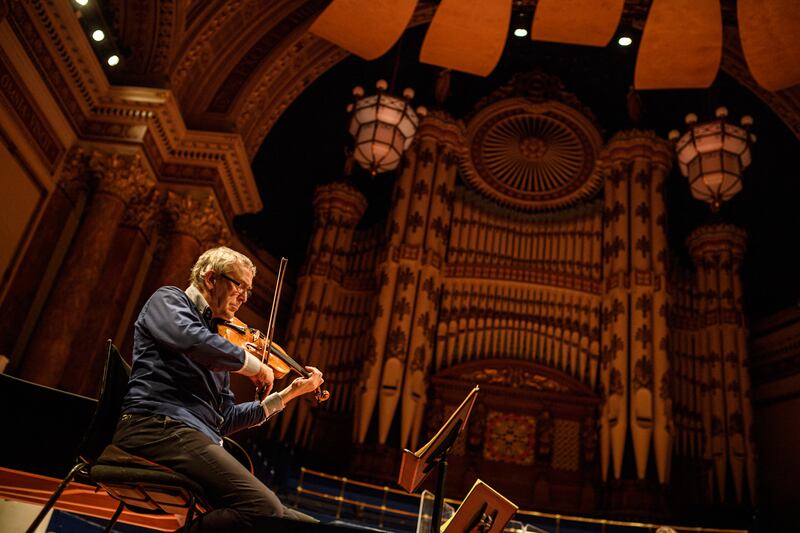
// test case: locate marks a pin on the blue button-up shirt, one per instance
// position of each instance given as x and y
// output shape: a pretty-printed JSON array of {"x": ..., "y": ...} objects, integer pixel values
[{"x": 181, "y": 368}]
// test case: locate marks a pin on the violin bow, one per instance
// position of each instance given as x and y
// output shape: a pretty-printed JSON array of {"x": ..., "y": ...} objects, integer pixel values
[
  {"x": 320, "y": 394},
  {"x": 276, "y": 298}
]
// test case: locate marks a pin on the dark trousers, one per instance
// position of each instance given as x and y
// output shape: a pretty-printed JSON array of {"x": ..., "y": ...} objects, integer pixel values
[{"x": 240, "y": 501}]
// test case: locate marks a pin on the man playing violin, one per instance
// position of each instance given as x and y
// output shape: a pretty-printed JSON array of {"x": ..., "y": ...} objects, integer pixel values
[{"x": 179, "y": 403}]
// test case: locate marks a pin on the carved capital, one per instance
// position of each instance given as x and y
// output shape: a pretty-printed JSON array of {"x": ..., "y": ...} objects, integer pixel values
[
  {"x": 125, "y": 177},
  {"x": 444, "y": 129},
  {"x": 339, "y": 203},
  {"x": 74, "y": 176},
  {"x": 142, "y": 212},
  {"x": 636, "y": 144},
  {"x": 198, "y": 217},
  {"x": 714, "y": 239}
]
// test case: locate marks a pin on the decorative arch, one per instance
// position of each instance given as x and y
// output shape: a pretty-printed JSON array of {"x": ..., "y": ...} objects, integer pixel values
[
  {"x": 301, "y": 62},
  {"x": 252, "y": 71},
  {"x": 532, "y": 431}
]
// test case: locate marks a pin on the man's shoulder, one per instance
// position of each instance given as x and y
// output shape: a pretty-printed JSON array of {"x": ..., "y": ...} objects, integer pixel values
[
  {"x": 170, "y": 294},
  {"x": 170, "y": 289}
]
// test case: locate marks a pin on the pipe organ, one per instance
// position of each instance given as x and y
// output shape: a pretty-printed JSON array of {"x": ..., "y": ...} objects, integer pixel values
[
  {"x": 635, "y": 385},
  {"x": 501, "y": 257},
  {"x": 721, "y": 347}
]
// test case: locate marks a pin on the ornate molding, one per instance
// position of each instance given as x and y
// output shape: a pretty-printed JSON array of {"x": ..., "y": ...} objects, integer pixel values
[
  {"x": 536, "y": 86},
  {"x": 280, "y": 20},
  {"x": 715, "y": 239},
  {"x": 143, "y": 211},
  {"x": 517, "y": 378},
  {"x": 199, "y": 47},
  {"x": 628, "y": 145},
  {"x": 125, "y": 177},
  {"x": 74, "y": 179},
  {"x": 144, "y": 116},
  {"x": 278, "y": 86},
  {"x": 149, "y": 30},
  {"x": 532, "y": 153},
  {"x": 299, "y": 61},
  {"x": 197, "y": 217},
  {"x": 15, "y": 96},
  {"x": 289, "y": 73},
  {"x": 339, "y": 203},
  {"x": 523, "y": 376},
  {"x": 444, "y": 129}
]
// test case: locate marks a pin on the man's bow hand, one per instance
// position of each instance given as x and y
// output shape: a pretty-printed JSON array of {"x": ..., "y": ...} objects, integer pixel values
[{"x": 263, "y": 381}]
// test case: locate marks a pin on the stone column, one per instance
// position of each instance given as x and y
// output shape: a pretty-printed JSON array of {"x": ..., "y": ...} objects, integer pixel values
[
  {"x": 717, "y": 251},
  {"x": 186, "y": 225},
  {"x": 191, "y": 224},
  {"x": 114, "y": 290},
  {"x": 118, "y": 179},
  {"x": 636, "y": 365},
  {"x": 338, "y": 207},
  {"x": 410, "y": 280}
]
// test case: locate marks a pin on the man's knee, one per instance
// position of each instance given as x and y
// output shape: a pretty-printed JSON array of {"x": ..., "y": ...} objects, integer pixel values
[{"x": 262, "y": 507}]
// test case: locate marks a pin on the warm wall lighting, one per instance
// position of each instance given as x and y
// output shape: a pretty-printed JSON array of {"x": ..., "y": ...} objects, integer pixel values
[
  {"x": 81, "y": 2},
  {"x": 113, "y": 61},
  {"x": 98, "y": 35},
  {"x": 520, "y": 32},
  {"x": 625, "y": 41}
]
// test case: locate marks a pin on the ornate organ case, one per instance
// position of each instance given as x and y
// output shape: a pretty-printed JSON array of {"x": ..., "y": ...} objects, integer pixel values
[{"x": 522, "y": 252}]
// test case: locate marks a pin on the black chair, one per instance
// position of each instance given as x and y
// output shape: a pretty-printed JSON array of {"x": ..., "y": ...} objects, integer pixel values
[{"x": 141, "y": 489}]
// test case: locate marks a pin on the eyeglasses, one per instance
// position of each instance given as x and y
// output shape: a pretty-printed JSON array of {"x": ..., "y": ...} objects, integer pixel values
[{"x": 247, "y": 292}]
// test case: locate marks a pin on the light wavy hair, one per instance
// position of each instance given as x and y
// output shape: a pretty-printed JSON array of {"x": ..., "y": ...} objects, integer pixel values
[{"x": 219, "y": 260}]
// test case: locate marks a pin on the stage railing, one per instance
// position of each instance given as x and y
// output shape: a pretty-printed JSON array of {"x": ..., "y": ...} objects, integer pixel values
[{"x": 346, "y": 498}]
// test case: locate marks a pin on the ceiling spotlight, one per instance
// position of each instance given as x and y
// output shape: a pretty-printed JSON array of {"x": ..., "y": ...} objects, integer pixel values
[
  {"x": 81, "y": 2},
  {"x": 625, "y": 41},
  {"x": 113, "y": 61},
  {"x": 98, "y": 35},
  {"x": 520, "y": 32}
]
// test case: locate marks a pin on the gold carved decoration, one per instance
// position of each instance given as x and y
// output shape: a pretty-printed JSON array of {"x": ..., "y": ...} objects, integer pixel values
[
  {"x": 142, "y": 212},
  {"x": 74, "y": 179},
  {"x": 529, "y": 151},
  {"x": 122, "y": 176},
  {"x": 518, "y": 378},
  {"x": 197, "y": 217}
]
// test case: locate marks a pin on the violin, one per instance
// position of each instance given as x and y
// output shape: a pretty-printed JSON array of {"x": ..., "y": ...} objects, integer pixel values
[{"x": 255, "y": 342}]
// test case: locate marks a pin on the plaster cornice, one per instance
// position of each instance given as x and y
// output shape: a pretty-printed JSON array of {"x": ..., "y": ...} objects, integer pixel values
[{"x": 97, "y": 111}]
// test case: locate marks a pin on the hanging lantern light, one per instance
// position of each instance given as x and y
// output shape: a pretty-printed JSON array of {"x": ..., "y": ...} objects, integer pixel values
[
  {"x": 713, "y": 156},
  {"x": 383, "y": 127}
]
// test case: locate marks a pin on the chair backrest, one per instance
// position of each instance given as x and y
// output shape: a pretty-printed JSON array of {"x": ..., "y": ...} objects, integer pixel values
[{"x": 112, "y": 390}]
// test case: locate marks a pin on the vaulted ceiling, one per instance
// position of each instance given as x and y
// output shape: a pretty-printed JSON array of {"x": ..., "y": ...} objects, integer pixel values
[
  {"x": 237, "y": 65},
  {"x": 251, "y": 67}
]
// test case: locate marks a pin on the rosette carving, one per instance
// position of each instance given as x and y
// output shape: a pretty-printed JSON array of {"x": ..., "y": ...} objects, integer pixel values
[{"x": 532, "y": 155}]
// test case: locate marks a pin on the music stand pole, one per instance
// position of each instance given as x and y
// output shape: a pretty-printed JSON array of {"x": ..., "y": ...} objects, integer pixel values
[{"x": 438, "y": 498}]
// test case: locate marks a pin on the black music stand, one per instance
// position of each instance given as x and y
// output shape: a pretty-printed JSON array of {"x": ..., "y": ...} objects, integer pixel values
[
  {"x": 416, "y": 466},
  {"x": 484, "y": 510}
]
